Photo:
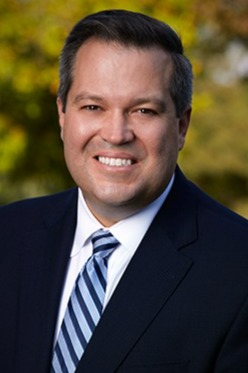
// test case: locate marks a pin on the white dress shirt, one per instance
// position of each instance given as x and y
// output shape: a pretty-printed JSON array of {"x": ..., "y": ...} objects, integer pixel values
[{"x": 129, "y": 232}]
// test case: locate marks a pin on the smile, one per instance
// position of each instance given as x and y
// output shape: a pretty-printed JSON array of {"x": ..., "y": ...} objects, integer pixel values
[{"x": 115, "y": 162}]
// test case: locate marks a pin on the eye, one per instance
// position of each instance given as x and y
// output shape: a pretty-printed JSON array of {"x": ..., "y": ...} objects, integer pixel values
[
  {"x": 91, "y": 107},
  {"x": 147, "y": 111}
]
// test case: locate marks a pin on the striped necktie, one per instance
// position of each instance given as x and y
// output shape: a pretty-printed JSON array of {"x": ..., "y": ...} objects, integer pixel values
[{"x": 85, "y": 305}]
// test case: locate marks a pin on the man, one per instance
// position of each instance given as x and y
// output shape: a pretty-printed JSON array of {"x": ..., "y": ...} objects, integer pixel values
[{"x": 175, "y": 287}]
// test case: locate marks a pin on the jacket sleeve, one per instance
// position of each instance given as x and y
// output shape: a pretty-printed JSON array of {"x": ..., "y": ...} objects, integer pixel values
[{"x": 233, "y": 356}]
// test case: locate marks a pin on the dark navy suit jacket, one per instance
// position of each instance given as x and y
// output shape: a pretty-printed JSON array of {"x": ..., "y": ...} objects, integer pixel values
[{"x": 181, "y": 305}]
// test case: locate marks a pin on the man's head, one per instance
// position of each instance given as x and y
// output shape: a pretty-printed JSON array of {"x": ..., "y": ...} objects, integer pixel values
[
  {"x": 124, "y": 110},
  {"x": 132, "y": 30}
]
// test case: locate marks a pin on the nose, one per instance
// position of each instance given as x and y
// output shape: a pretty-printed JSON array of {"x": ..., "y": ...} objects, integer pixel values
[{"x": 116, "y": 129}]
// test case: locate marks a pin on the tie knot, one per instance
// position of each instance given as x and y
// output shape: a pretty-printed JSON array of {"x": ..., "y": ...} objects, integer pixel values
[{"x": 103, "y": 243}]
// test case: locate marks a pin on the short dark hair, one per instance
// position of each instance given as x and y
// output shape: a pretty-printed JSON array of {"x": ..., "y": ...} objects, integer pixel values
[{"x": 129, "y": 29}]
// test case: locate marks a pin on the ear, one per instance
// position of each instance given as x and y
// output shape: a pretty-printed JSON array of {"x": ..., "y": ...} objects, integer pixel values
[
  {"x": 61, "y": 115},
  {"x": 183, "y": 126}
]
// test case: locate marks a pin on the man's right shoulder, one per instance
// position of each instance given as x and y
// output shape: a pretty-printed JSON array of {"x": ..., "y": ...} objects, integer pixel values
[{"x": 37, "y": 208}]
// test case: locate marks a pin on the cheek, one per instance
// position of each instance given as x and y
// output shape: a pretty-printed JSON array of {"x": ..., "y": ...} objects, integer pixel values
[
  {"x": 164, "y": 154},
  {"x": 69, "y": 138},
  {"x": 74, "y": 134},
  {"x": 163, "y": 143}
]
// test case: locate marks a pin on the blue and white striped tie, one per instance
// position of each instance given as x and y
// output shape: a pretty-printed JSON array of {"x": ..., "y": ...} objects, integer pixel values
[{"x": 85, "y": 305}]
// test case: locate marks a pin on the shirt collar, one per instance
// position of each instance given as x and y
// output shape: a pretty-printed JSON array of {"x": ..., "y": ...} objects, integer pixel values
[
  {"x": 136, "y": 225},
  {"x": 87, "y": 224},
  {"x": 130, "y": 231}
]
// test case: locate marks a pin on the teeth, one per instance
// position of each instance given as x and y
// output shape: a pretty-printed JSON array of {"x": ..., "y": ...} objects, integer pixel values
[{"x": 116, "y": 162}]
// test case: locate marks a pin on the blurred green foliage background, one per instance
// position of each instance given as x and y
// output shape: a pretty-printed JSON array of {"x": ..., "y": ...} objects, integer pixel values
[{"x": 215, "y": 35}]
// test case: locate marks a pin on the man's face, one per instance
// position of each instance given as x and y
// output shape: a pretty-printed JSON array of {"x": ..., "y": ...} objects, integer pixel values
[{"x": 120, "y": 130}]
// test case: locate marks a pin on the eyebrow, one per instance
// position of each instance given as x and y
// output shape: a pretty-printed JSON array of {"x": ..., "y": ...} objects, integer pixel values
[
  {"x": 160, "y": 104},
  {"x": 86, "y": 96}
]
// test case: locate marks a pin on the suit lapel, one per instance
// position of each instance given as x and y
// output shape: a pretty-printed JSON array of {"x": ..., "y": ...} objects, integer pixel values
[
  {"x": 153, "y": 275},
  {"x": 43, "y": 267}
]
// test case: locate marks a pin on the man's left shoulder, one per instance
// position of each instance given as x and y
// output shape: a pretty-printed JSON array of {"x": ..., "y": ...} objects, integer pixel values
[{"x": 216, "y": 217}]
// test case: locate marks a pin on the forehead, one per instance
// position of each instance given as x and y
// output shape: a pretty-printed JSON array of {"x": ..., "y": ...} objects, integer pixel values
[
  {"x": 94, "y": 47},
  {"x": 117, "y": 58},
  {"x": 121, "y": 75}
]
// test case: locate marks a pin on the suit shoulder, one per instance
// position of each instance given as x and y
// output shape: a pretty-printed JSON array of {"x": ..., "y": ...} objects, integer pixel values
[
  {"x": 188, "y": 194},
  {"x": 215, "y": 212},
  {"x": 36, "y": 208}
]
